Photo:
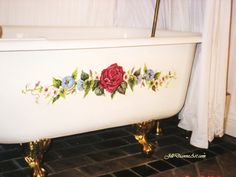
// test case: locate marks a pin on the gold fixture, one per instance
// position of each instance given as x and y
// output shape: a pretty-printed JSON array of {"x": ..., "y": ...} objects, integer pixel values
[
  {"x": 227, "y": 104},
  {"x": 142, "y": 129},
  {"x": 34, "y": 157},
  {"x": 154, "y": 24},
  {"x": 158, "y": 128},
  {"x": 0, "y": 31}
]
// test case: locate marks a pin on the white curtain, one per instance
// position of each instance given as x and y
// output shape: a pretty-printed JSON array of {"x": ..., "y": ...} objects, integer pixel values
[
  {"x": 122, "y": 13},
  {"x": 57, "y": 12},
  {"x": 182, "y": 15},
  {"x": 134, "y": 13},
  {"x": 203, "y": 113}
]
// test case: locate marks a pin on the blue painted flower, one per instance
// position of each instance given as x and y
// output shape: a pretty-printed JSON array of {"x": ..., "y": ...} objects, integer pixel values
[
  {"x": 68, "y": 82},
  {"x": 80, "y": 84},
  {"x": 150, "y": 74}
]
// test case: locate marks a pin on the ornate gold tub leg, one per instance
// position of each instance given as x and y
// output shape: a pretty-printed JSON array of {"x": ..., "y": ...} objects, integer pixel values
[
  {"x": 34, "y": 156},
  {"x": 142, "y": 129}
]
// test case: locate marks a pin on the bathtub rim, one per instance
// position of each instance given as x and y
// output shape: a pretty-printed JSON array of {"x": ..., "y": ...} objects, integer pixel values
[{"x": 8, "y": 45}]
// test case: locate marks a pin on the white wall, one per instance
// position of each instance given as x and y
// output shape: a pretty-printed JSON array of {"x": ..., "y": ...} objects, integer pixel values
[
  {"x": 129, "y": 13},
  {"x": 231, "y": 122}
]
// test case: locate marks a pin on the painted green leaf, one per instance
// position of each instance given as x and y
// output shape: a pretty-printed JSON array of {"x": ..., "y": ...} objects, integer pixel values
[
  {"x": 137, "y": 72},
  {"x": 75, "y": 74},
  {"x": 121, "y": 90},
  {"x": 143, "y": 83},
  {"x": 129, "y": 72},
  {"x": 73, "y": 90},
  {"x": 145, "y": 68},
  {"x": 157, "y": 75},
  {"x": 56, "y": 83},
  {"x": 99, "y": 91},
  {"x": 87, "y": 86},
  {"x": 96, "y": 84},
  {"x": 150, "y": 84},
  {"x": 40, "y": 89},
  {"x": 113, "y": 94},
  {"x": 84, "y": 76},
  {"x": 132, "y": 82},
  {"x": 124, "y": 85},
  {"x": 62, "y": 93},
  {"x": 154, "y": 88},
  {"x": 55, "y": 98}
]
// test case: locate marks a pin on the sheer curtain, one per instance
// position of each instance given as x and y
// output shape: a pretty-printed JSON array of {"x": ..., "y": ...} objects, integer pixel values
[
  {"x": 134, "y": 13},
  {"x": 123, "y": 13},
  {"x": 57, "y": 12},
  {"x": 203, "y": 113}
]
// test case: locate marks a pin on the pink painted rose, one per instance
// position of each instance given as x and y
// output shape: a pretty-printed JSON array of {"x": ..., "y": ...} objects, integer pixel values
[{"x": 112, "y": 77}]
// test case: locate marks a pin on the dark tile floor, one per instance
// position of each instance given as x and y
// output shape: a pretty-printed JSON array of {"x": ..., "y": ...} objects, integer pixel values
[{"x": 115, "y": 153}]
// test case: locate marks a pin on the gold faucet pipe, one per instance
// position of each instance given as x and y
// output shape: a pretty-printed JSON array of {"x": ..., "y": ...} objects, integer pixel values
[
  {"x": 0, "y": 31},
  {"x": 154, "y": 24}
]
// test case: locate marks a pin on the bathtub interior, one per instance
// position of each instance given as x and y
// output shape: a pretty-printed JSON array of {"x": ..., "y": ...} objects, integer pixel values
[{"x": 80, "y": 33}]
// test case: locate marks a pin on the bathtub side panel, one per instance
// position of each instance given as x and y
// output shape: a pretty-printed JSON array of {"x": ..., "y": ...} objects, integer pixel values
[{"x": 23, "y": 120}]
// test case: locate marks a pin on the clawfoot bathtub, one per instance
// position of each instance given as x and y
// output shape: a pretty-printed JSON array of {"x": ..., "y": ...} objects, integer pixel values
[{"x": 63, "y": 81}]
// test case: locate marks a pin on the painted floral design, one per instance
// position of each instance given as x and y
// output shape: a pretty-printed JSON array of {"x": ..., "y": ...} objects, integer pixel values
[{"x": 112, "y": 80}]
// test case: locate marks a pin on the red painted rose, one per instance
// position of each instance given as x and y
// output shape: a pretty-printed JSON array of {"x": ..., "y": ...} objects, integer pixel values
[{"x": 112, "y": 77}]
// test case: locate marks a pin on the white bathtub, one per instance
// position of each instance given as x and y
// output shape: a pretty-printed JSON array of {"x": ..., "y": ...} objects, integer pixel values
[{"x": 29, "y": 55}]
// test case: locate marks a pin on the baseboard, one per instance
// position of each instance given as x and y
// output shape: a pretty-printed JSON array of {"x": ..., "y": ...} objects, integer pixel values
[{"x": 231, "y": 125}]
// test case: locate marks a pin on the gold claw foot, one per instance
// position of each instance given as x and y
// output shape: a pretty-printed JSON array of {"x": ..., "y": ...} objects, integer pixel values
[
  {"x": 34, "y": 157},
  {"x": 142, "y": 129},
  {"x": 147, "y": 148}
]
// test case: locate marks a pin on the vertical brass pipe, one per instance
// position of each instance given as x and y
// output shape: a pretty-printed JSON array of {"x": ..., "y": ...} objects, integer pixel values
[
  {"x": 158, "y": 128},
  {"x": 0, "y": 31},
  {"x": 154, "y": 24}
]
